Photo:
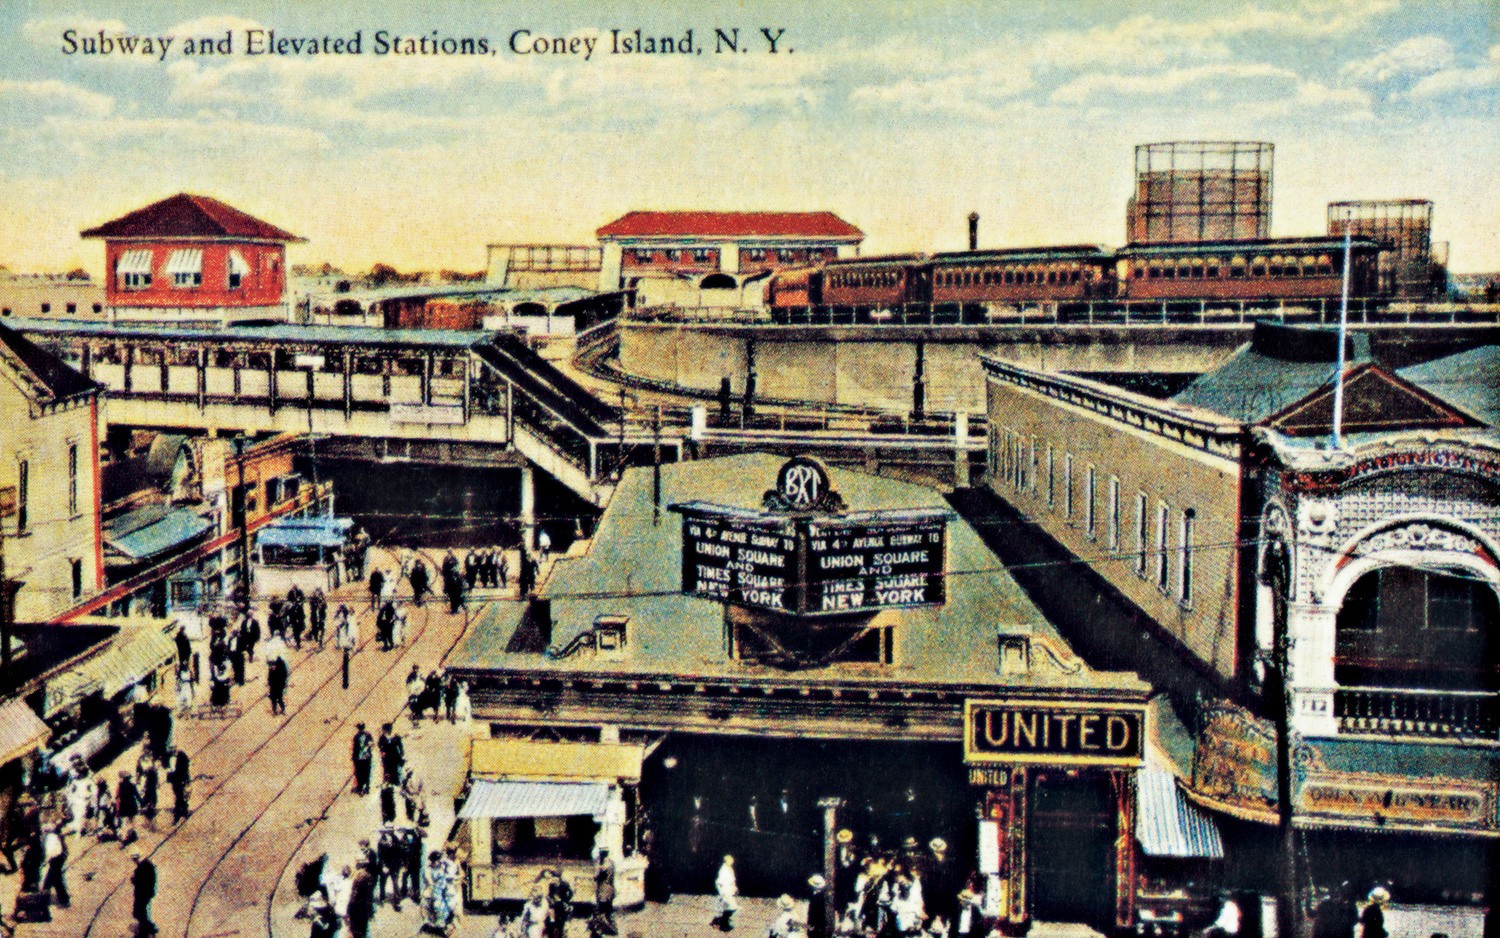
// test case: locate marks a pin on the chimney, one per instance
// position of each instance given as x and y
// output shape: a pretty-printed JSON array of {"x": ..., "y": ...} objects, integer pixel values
[{"x": 973, "y": 231}]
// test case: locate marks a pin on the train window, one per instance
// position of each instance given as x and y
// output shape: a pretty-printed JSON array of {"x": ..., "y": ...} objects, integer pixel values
[
  {"x": 182, "y": 356},
  {"x": 1075, "y": 276},
  {"x": 1258, "y": 269},
  {"x": 1211, "y": 271},
  {"x": 1052, "y": 276}
]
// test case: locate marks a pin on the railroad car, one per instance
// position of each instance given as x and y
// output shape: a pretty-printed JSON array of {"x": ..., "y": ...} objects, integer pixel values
[
  {"x": 1023, "y": 275},
  {"x": 878, "y": 282},
  {"x": 1270, "y": 269},
  {"x": 800, "y": 287}
]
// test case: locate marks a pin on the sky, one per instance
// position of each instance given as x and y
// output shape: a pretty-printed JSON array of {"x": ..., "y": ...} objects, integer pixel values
[{"x": 900, "y": 117}]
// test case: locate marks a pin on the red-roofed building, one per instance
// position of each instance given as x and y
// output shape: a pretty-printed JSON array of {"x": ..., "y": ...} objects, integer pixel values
[
  {"x": 193, "y": 259},
  {"x": 662, "y": 254}
]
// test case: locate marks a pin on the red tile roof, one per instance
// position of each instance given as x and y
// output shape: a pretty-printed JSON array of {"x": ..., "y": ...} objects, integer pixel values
[
  {"x": 729, "y": 225},
  {"x": 189, "y": 216}
]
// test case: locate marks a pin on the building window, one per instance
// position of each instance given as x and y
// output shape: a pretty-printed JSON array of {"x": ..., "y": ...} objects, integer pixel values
[
  {"x": 1114, "y": 513},
  {"x": 46, "y": 308},
  {"x": 1185, "y": 565},
  {"x": 133, "y": 270},
  {"x": 1068, "y": 486},
  {"x": 1163, "y": 558},
  {"x": 701, "y": 256},
  {"x": 23, "y": 495},
  {"x": 72, "y": 307},
  {"x": 1089, "y": 514},
  {"x": 1140, "y": 534},
  {"x": 73, "y": 479},
  {"x": 1035, "y": 460},
  {"x": 1051, "y": 477},
  {"x": 186, "y": 267},
  {"x": 77, "y": 576},
  {"x": 98, "y": 307}
]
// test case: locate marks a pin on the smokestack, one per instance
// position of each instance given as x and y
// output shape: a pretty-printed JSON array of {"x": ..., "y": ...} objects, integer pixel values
[{"x": 973, "y": 231}]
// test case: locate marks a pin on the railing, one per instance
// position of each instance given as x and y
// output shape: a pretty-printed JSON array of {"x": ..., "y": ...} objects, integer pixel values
[{"x": 1393, "y": 711}]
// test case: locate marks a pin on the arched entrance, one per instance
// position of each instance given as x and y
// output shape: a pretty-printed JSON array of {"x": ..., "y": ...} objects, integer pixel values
[
  {"x": 1409, "y": 627},
  {"x": 718, "y": 282}
]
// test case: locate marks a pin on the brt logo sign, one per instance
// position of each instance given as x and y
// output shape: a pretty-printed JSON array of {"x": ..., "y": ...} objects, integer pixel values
[{"x": 1045, "y": 732}]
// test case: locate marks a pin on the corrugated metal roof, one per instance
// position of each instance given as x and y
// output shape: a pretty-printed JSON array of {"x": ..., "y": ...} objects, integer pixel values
[
  {"x": 1167, "y": 825},
  {"x": 519, "y": 758},
  {"x": 492, "y": 799},
  {"x": 134, "y": 654},
  {"x": 21, "y": 730},
  {"x": 157, "y": 537}
]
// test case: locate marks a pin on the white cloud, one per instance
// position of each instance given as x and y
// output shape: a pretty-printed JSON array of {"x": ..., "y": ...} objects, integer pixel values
[
  {"x": 1087, "y": 87},
  {"x": 1451, "y": 81},
  {"x": 51, "y": 94},
  {"x": 1418, "y": 55}
]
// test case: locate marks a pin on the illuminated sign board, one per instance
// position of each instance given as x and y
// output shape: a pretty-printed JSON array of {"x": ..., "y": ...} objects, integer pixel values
[
  {"x": 1047, "y": 732},
  {"x": 875, "y": 564},
  {"x": 737, "y": 558}
]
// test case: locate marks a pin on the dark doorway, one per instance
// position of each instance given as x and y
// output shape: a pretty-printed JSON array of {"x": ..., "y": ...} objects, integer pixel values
[
  {"x": 1404, "y": 627},
  {"x": 1071, "y": 834},
  {"x": 718, "y": 282}
]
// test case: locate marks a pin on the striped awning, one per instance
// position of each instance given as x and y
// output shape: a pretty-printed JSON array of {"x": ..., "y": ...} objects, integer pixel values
[
  {"x": 237, "y": 264},
  {"x": 1167, "y": 825},
  {"x": 508, "y": 799},
  {"x": 135, "y": 653},
  {"x": 21, "y": 730},
  {"x": 134, "y": 262},
  {"x": 185, "y": 261}
]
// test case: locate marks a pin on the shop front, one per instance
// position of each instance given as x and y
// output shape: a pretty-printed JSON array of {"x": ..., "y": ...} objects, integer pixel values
[{"x": 1057, "y": 837}]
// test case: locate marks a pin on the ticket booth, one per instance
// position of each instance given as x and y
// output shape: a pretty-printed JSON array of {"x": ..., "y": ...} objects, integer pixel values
[
  {"x": 1058, "y": 807},
  {"x": 531, "y": 806}
]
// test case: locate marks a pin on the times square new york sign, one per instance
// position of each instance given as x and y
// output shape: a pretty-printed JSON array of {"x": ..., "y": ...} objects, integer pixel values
[{"x": 803, "y": 554}]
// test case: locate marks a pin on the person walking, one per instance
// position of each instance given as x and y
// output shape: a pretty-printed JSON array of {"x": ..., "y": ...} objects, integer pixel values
[
  {"x": 377, "y": 584},
  {"x": 421, "y": 584},
  {"x": 362, "y": 753},
  {"x": 392, "y": 755},
  {"x": 249, "y": 636},
  {"x": 411, "y": 795},
  {"x": 361, "y": 902},
  {"x": 317, "y": 614},
  {"x": 385, "y": 625},
  {"x": 184, "y": 647},
  {"x": 817, "y": 907},
  {"x": 784, "y": 925},
  {"x": 324, "y": 919},
  {"x": 388, "y": 804},
  {"x": 180, "y": 777},
  {"x": 236, "y": 657},
  {"x": 150, "y": 786},
  {"x": 127, "y": 806},
  {"x": 727, "y": 896},
  {"x": 55, "y": 851},
  {"x": 604, "y": 895},
  {"x": 143, "y": 886},
  {"x": 450, "y": 697},
  {"x": 1372, "y": 919},
  {"x": 277, "y": 676},
  {"x": 219, "y": 676}
]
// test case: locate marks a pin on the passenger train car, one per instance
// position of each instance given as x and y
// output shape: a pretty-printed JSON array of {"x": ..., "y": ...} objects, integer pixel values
[{"x": 989, "y": 285}]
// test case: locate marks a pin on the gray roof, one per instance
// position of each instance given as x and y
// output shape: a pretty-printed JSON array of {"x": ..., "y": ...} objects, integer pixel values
[
  {"x": 633, "y": 567},
  {"x": 1279, "y": 367},
  {"x": 1469, "y": 381}
]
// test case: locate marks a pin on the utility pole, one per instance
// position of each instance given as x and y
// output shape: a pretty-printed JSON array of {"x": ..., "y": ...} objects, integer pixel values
[
  {"x": 8, "y": 496},
  {"x": 830, "y": 806},
  {"x": 1288, "y": 902},
  {"x": 243, "y": 490}
]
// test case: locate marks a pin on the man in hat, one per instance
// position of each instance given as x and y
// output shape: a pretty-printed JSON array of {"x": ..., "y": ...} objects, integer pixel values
[
  {"x": 784, "y": 925},
  {"x": 362, "y": 752},
  {"x": 817, "y": 907},
  {"x": 143, "y": 886},
  {"x": 1373, "y": 916},
  {"x": 939, "y": 887}
]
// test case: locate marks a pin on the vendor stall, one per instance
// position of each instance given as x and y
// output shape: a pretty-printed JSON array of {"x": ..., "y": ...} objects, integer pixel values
[
  {"x": 303, "y": 552},
  {"x": 532, "y": 806}
]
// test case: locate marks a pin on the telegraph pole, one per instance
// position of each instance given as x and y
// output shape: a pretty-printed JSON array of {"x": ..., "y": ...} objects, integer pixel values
[{"x": 1288, "y": 903}]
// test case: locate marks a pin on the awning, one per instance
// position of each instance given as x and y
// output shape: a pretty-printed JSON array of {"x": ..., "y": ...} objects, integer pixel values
[
  {"x": 306, "y": 532},
  {"x": 173, "y": 529},
  {"x": 1167, "y": 825},
  {"x": 185, "y": 261},
  {"x": 574, "y": 762},
  {"x": 237, "y": 264},
  {"x": 491, "y": 799},
  {"x": 21, "y": 730},
  {"x": 135, "y": 653},
  {"x": 134, "y": 262}
]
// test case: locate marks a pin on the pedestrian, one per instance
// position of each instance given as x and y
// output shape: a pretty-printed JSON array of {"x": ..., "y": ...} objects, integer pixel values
[
  {"x": 249, "y": 636},
  {"x": 184, "y": 688},
  {"x": 968, "y": 921},
  {"x": 127, "y": 806},
  {"x": 411, "y": 871},
  {"x": 504, "y": 571},
  {"x": 535, "y": 915},
  {"x": 390, "y": 856},
  {"x": 337, "y": 882},
  {"x": 817, "y": 907},
  {"x": 385, "y": 625},
  {"x": 421, "y": 585},
  {"x": 411, "y": 795},
  {"x": 80, "y": 794},
  {"x": 1372, "y": 919},
  {"x": 377, "y": 584},
  {"x": 560, "y": 897},
  {"x": 150, "y": 787},
  {"x": 432, "y": 695},
  {"x": 604, "y": 893},
  {"x": 398, "y": 630},
  {"x": 346, "y": 631},
  {"x": 324, "y": 918},
  {"x": 277, "y": 676},
  {"x": 143, "y": 885},
  {"x": 450, "y": 697},
  {"x": 362, "y": 753},
  {"x": 219, "y": 677},
  {"x": 55, "y": 850},
  {"x": 414, "y": 688},
  {"x": 727, "y": 896},
  {"x": 317, "y": 611},
  {"x": 388, "y": 804},
  {"x": 184, "y": 647},
  {"x": 437, "y": 911},
  {"x": 296, "y": 615},
  {"x": 783, "y": 925},
  {"x": 392, "y": 755},
  {"x": 236, "y": 658},
  {"x": 180, "y": 778}
]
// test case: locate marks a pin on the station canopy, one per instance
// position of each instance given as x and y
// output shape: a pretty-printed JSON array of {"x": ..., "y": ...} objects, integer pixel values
[{"x": 511, "y": 799}]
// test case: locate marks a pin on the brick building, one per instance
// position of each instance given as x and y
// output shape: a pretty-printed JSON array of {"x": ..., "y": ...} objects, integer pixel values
[
  {"x": 191, "y": 259},
  {"x": 710, "y": 258}
]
